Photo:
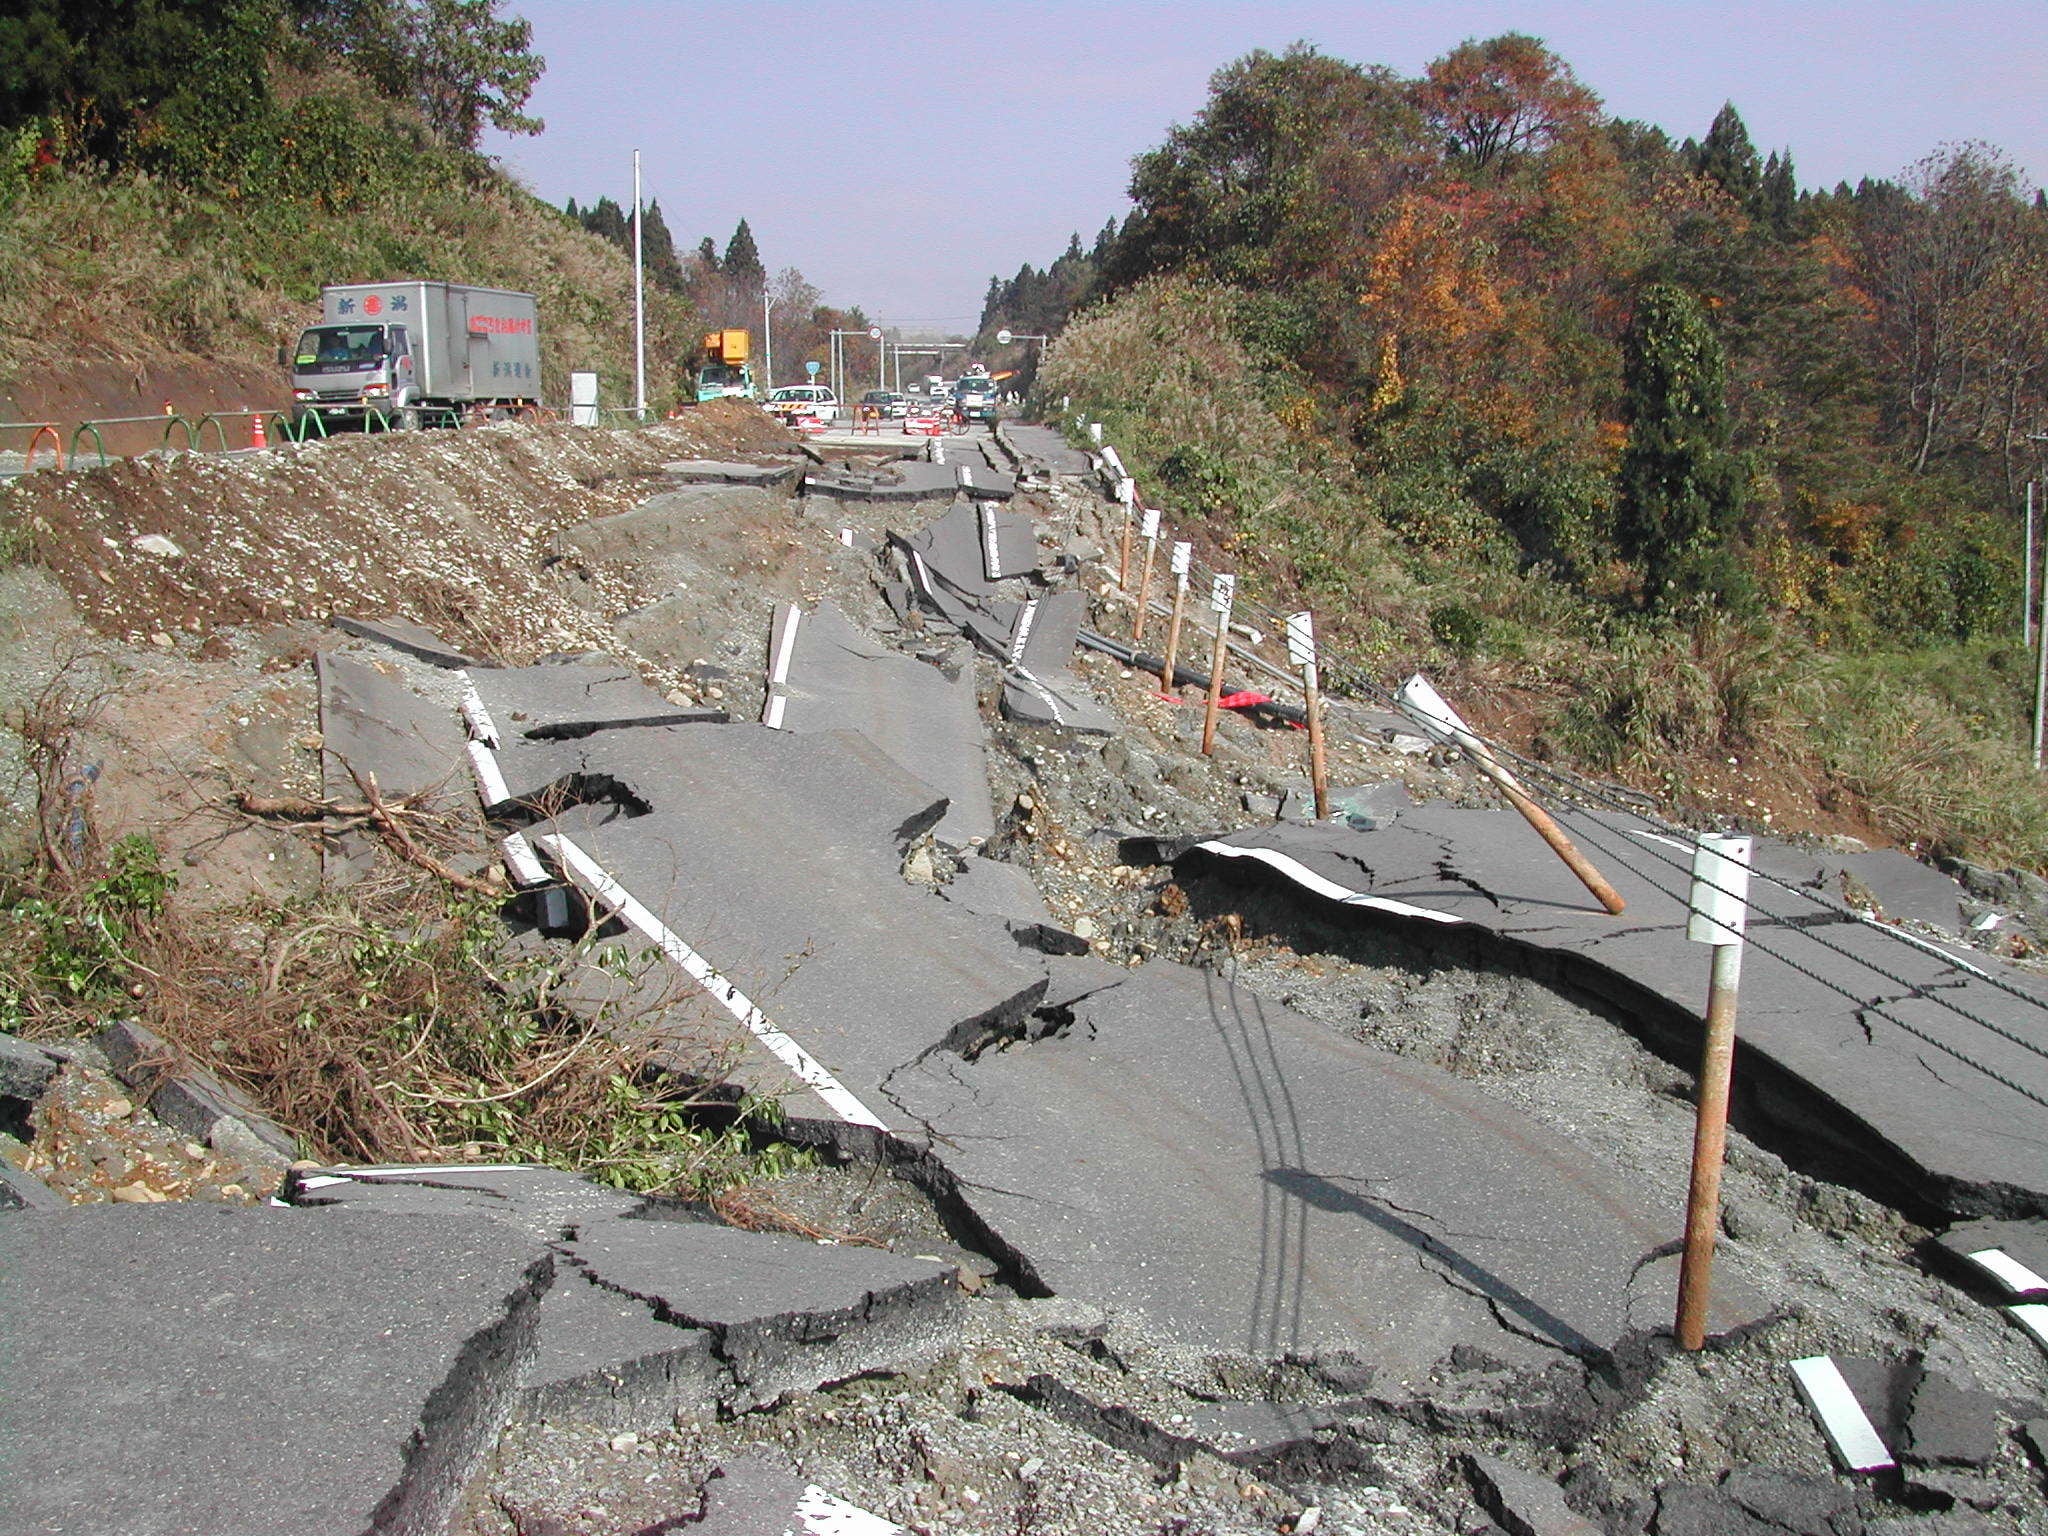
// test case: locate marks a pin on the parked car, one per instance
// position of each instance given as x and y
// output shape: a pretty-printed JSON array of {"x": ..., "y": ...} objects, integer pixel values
[
  {"x": 887, "y": 401},
  {"x": 802, "y": 400}
]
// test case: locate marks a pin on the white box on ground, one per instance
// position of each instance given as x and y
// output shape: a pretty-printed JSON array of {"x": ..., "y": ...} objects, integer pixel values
[{"x": 582, "y": 399}]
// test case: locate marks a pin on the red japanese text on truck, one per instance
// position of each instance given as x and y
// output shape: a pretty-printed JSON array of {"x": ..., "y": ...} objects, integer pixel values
[{"x": 417, "y": 354}]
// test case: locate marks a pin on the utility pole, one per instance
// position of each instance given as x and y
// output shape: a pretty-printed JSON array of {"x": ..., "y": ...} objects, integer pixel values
[
  {"x": 639, "y": 307},
  {"x": 767, "y": 345},
  {"x": 2027, "y": 585}
]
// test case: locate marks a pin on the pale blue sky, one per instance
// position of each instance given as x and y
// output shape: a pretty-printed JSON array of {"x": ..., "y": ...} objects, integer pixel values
[{"x": 900, "y": 154}]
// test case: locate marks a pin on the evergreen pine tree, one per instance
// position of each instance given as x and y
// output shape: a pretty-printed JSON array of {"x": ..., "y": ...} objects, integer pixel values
[
  {"x": 742, "y": 259},
  {"x": 707, "y": 252},
  {"x": 658, "y": 250},
  {"x": 570, "y": 209},
  {"x": 1776, "y": 204},
  {"x": 1726, "y": 155},
  {"x": 1103, "y": 243},
  {"x": 1680, "y": 488}
]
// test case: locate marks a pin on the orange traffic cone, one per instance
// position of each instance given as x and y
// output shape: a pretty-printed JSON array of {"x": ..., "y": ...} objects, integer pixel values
[{"x": 258, "y": 438}]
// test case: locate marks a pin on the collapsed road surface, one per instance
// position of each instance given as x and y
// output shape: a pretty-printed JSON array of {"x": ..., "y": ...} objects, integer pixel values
[{"x": 886, "y": 861}]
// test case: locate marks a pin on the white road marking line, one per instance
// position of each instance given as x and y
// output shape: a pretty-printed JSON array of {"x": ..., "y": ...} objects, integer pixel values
[
  {"x": 490, "y": 783},
  {"x": 475, "y": 714},
  {"x": 523, "y": 863},
  {"x": 785, "y": 644},
  {"x": 1023, "y": 634},
  {"x": 1842, "y": 1419},
  {"x": 2008, "y": 1271},
  {"x": 1302, "y": 875},
  {"x": 991, "y": 555},
  {"x": 776, "y": 701},
  {"x": 592, "y": 877},
  {"x": 2034, "y": 1318},
  {"x": 822, "y": 1514}
]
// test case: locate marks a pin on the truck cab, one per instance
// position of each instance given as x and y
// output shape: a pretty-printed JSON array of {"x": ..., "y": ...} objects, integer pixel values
[
  {"x": 724, "y": 371},
  {"x": 353, "y": 371}
]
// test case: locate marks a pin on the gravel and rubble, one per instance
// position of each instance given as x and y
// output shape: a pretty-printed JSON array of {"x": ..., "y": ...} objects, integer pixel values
[{"x": 1042, "y": 1414}]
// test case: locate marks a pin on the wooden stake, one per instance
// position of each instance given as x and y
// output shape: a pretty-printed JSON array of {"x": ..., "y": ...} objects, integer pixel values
[
  {"x": 1552, "y": 834},
  {"x": 1123, "y": 559},
  {"x": 1180, "y": 603},
  {"x": 1221, "y": 593},
  {"x": 1709, "y": 1148},
  {"x": 1719, "y": 902},
  {"x": 1318, "y": 775},
  {"x": 1151, "y": 533},
  {"x": 1210, "y": 711},
  {"x": 1427, "y": 707}
]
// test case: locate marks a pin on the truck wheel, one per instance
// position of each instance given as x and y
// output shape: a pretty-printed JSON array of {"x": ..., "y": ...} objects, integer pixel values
[{"x": 406, "y": 419}]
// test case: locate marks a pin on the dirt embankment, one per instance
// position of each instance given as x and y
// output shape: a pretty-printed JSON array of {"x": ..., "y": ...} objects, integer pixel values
[
  {"x": 174, "y": 603},
  {"x": 158, "y": 385}
]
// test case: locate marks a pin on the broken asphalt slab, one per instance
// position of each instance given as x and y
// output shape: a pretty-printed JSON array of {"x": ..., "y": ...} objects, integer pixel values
[
  {"x": 906, "y": 480},
  {"x": 1247, "y": 1180},
  {"x": 565, "y": 700},
  {"x": 922, "y": 716},
  {"x": 404, "y": 636},
  {"x": 1917, "y": 1072},
  {"x": 777, "y": 856},
  {"x": 971, "y": 550},
  {"x": 139, "y": 1345},
  {"x": 375, "y": 728},
  {"x": 1043, "y": 449},
  {"x": 716, "y": 472},
  {"x": 774, "y": 1313}
]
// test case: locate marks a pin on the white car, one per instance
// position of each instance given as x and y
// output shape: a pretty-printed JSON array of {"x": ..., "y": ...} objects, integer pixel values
[{"x": 802, "y": 400}]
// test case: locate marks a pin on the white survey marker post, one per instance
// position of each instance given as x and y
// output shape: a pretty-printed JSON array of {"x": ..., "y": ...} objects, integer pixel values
[
  {"x": 1222, "y": 592},
  {"x": 1183, "y": 560},
  {"x": 1720, "y": 892},
  {"x": 1148, "y": 526},
  {"x": 1301, "y": 639},
  {"x": 1301, "y": 651}
]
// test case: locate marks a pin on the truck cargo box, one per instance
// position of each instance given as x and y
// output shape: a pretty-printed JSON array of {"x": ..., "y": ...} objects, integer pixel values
[
  {"x": 469, "y": 345},
  {"x": 727, "y": 346}
]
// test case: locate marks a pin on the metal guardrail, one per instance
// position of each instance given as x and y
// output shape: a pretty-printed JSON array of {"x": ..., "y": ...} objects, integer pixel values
[{"x": 37, "y": 431}]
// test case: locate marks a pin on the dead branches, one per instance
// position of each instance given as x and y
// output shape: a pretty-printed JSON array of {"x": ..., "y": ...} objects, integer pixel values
[{"x": 410, "y": 826}]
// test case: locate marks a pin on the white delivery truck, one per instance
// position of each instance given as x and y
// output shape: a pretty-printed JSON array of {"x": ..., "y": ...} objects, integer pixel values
[{"x": 413, "y": 354}]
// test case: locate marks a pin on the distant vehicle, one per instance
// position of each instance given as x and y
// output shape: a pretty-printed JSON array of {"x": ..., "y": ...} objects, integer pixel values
[
  {"x": 974, "y": 397},
  {"x": 887, "y": 401},
  {"x": 407, "y": 354},
  {"x": 724, "y": 373},
  {"x": 803, "y": 400}
]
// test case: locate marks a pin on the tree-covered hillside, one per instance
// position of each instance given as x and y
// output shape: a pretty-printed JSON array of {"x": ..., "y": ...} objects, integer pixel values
[
  {"x": 179, "y": 177},
  {"x": 1667, "y": 455}
]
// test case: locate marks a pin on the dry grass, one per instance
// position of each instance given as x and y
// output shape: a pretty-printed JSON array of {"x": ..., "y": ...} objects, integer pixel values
[{"x": 396, "y": 1021}]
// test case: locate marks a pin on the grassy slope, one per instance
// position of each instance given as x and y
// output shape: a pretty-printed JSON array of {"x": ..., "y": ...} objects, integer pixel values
[
  {"x": 1921, "y": 746},
  {"x": 131, "y": 270}
]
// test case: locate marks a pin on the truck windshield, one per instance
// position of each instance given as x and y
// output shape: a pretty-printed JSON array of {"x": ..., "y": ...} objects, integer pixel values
[
  {"x": 721, "y": 373},
  {"x": 351, "y": 346}
]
